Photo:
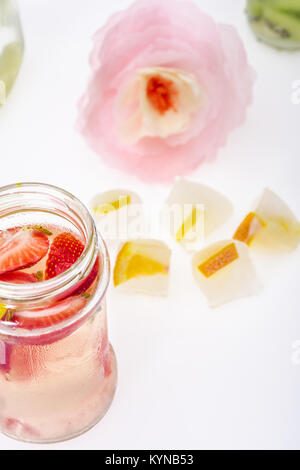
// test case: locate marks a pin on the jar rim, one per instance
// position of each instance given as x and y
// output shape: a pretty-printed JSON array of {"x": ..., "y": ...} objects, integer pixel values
[{"x": 36, "y": 293}]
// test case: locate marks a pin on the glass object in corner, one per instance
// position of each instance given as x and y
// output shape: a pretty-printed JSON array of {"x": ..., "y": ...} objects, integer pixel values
[
  {"x": 276, "y": 22},
  {"x": 11, "y": 46}
]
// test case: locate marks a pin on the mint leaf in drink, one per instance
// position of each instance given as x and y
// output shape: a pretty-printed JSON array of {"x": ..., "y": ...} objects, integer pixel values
[
  {"x": 40, "y": 228},
  {"x": 39, "y": 275}
]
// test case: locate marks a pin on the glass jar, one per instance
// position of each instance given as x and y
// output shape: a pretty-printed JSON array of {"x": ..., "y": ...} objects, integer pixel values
[
  {"x": 276, "y": 22},
  {"x": 56, "y": 381}
]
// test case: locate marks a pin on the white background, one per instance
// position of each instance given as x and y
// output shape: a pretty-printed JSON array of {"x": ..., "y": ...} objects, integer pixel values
[{"x": 189, "y": 377}]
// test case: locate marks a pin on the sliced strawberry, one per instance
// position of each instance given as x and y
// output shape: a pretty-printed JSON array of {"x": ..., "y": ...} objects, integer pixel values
[
  {"x": 26, "y": 362},
  {"x": 81, "y": 286},
  {"x": 64, "y": 252},
  {"x": 55, "y": 313},
  {"x": 85, "y": 283},
  {"x": 21, "y": 248},
  {"x": 18, "y": 277}
]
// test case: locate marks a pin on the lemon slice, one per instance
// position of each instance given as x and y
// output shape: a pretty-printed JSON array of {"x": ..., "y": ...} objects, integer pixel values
[
  {"x": 224, "y": 272},
  {"x": 3, "y": 310},
  {"x": 190, "y": 224},
  {"x": 195, "y": 211},
  {"x": 114, "y": 200},
  {"x": 143, "y": 266},
  {"x": 106, "y": 208},
  {"x": 272, "y": 225}
]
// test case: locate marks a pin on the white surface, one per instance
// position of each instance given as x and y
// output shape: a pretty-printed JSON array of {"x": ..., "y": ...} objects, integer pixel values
[{"x": 189, "y": 377}]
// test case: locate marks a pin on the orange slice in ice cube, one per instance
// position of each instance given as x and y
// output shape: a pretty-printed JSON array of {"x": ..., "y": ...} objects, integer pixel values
[
  {"x": 247, "y": 230},
  {"x": 272, "y": 225},
  {"x": 143, "y": 265},
  {"x": 219, "y": 260},
  {"x": 224, "y": 272}
]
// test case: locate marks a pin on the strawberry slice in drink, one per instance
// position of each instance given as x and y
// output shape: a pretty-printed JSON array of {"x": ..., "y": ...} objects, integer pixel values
[
  {"x": 18, "y": 277},
  {"x": 54, "y": 313},
  {"x": 21, "y": 248},
  {"x": 64, "y": 252},
  {"x": 85, "y": 283},
  {"x": 24, "y": 360}
]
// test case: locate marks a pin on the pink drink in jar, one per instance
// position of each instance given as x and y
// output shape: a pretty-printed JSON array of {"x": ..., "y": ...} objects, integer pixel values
[{"x": 57, "y": 369}]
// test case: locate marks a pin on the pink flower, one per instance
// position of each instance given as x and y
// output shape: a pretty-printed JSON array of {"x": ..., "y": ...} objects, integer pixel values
[{"x": 168, "y": 84}]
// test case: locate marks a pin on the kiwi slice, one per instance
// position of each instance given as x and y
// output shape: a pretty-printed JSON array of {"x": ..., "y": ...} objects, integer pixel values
[
  {"x": 276, "y": 22},
  {"x": 291, "y": 6},
  {"x": 254, "y": 10}
]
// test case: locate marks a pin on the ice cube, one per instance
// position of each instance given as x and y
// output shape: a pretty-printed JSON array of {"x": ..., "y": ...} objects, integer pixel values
[
  {"x": 271, "y": 225},
  {"x": 224, "y": 272},
  {"x": 195, "y": 211},
  {"x": 118, "y": 214},
  {"x": 142, "y": 266}
]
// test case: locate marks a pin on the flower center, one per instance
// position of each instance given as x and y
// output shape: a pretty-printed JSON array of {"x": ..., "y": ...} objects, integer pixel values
[
  {"x": 161, "y": 93},
  {"x": 158, "y": 102}
]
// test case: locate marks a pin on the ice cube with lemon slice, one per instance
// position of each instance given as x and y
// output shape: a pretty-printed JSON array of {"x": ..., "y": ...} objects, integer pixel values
[
  {"x": 224, "y": 272},
  {"x": 142, "y": 266},
  {"x": 117, "y": 214},
  {"x": 271, "y": 225},
  {"x": 195, "y": 211}
]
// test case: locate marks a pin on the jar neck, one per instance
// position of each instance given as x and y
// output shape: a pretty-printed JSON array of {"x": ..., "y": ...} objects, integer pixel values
[
  {"x": 28, "y": 197},
  {"x": 33, "y": 198}
]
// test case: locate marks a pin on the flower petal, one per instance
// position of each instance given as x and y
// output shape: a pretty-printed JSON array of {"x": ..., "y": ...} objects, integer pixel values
[{"x": 165, "y": 34}]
